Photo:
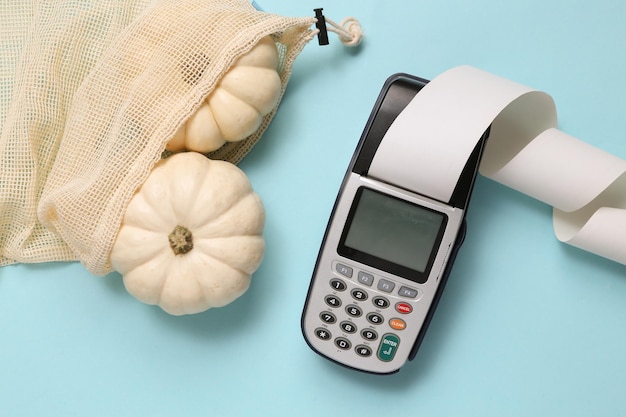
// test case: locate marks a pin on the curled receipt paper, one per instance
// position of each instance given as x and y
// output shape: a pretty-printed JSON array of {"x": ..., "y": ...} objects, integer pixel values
[{"x": 525, "y": 151}]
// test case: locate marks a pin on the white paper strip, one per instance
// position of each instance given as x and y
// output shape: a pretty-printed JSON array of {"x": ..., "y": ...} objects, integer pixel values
[{"x": 438, "y": 130}]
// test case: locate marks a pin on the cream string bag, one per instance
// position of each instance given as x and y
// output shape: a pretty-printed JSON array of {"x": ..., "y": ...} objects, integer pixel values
[{"x": 90, "y": 94}]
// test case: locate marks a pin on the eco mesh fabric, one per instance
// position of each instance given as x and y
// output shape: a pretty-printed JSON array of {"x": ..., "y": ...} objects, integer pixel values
[{"x": 90, "y": 93}]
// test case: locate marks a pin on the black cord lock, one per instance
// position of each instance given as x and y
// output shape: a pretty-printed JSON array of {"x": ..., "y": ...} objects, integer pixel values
[{"x": 322, "y": 35}]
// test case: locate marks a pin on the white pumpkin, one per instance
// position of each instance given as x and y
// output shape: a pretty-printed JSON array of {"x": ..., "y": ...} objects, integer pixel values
[
  {"x": 248, "y": 91},
  {"x": 191, "y": 236}
]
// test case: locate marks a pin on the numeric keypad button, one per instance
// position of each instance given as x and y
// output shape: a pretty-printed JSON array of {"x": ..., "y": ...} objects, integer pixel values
[
  {"x": 337, "y": 284},
  {"x": 354, "y": 311},
  {"x": 332, "y": 301},
  {"x": 363, "y": 351},
  {"x": 348, "y": 327},
  {"x": 343, "y": 343},
  {"x": 369, "y": 334},
  {"x": 328, "y": 317},
  {"x": 381, "y": 302},
  {"x": 375, "y": 318},
  {"x": 323, "y": 333},
  {"x": 359, "y": 295}
]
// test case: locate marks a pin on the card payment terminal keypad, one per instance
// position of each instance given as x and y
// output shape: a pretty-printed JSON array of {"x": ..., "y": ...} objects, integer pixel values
[{"x": 374, "y": 311}]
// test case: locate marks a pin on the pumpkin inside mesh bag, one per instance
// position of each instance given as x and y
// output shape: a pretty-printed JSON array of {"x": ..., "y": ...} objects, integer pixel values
[{"x": 92, "y": 94}]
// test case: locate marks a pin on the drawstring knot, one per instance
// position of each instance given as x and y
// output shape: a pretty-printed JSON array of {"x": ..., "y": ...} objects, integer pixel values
[{"x": 349, "y": 30}]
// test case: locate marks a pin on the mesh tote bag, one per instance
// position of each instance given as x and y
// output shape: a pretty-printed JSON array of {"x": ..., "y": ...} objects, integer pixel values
[{"x": 91, "y": 93}]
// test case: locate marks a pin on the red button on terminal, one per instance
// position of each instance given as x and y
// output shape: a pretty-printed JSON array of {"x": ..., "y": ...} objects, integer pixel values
[{"x": 404, "y": 308}]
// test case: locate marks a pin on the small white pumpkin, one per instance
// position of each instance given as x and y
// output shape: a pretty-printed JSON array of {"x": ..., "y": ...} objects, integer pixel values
[
  {"x": 191, "y": 236},
  {"x": 248, "y": 91}
]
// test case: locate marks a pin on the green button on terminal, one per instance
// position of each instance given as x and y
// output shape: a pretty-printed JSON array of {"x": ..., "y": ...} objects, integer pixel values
[{"x": 388, "y": 347}]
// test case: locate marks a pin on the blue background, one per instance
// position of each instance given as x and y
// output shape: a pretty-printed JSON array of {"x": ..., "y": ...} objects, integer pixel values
[{"x": 527, "y": 325}]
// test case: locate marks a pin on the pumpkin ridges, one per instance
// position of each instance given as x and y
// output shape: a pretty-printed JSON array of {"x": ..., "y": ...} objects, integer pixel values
[
  {"x": 156, "y": 194},
  {"x": 145, "y": 282},
  {"x": 188, "y": 186},
  {"x": 222, "y": 249},
  {"x": 236, "y": 119},
  {"x": 224, "y": 285},
  {"x": 233, "y": 222},
  {"x": 223, "y": 185},
  {"x": 238, "y": 83},
  {"x": 202, "y": 132},
  {"x": 141, "y": 214},
  {"x": 136, "y": 244},
  {"x": 182, "y": 292}
]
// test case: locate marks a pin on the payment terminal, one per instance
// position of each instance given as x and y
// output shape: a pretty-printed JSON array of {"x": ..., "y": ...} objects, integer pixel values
[{"x": 390, "y": 244}]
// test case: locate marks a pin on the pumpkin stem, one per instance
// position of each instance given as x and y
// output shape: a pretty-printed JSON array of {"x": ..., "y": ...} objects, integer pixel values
[{"x": 181, "y": 240}]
